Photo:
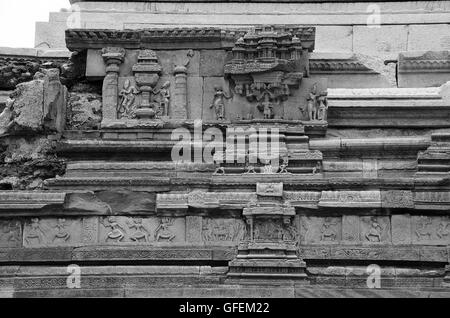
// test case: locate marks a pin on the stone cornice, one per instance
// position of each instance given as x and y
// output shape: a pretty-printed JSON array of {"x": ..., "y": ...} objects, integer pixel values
[
  {"x": 349, "y": 66},
  {"x": 424, "y": 62},
  {"x": 173, "y": 38}
]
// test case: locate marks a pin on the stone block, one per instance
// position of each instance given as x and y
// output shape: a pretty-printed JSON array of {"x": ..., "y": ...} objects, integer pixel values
[
  {"x": 87, "y": 202},
  {"x": 386, "y": 39},
  {"x": 397, "y": 199},
  {"x": 423, "y": 69},
  {"x": 128, "y": 202},
  {"x": 350, "y": 229},
  {"x": 424, "y": 37},
  {"x": 212, "y": 62},
  {"x": 11, "y": 233},
  {"x": 52, "y": 232},
  {"x": 401, "y": 229},
  {"x": 195, "y": 97},
  {"x": 193, "y": 228},
  {"x": 375, "y": 230},
  {"x": 334, "y": 38},
  {"x": 320, "y": 230}
]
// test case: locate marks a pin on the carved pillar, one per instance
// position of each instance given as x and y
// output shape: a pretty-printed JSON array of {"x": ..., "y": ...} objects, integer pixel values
[
  {"x": 113, "y": 57},
  {"x": 180, "y": 99}
]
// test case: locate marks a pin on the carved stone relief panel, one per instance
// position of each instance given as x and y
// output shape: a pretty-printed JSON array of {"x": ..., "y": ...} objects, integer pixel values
[
  {"x": 401, "y": 229},
  {"x": 120, "y": 229},
  {"x": 52, "y": 232},
  {"x": 10, "y": 233},
  {"x": 320, "y": 230},
  {"x": 274, "y": 230},
  {"x": 430, "y": 230},
  {"x": 350, "y": 229},
  {"x": 216, "y": 230},
  {"x": 375, "y": 229}
]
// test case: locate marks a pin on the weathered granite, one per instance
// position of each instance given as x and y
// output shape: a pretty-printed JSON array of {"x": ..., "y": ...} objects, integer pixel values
[{"x": 361, "y": 175}]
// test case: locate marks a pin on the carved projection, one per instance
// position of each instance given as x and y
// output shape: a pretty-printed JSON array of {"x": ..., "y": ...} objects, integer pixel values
[
  {"x": 163, "y": 231},
  {"x": 267, "y": 64},
  {"x": 147, "y": 72}
]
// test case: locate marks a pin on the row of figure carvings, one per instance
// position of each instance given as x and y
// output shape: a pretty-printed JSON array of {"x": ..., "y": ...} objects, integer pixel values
[
  {"x": 141, "y": 97},
  {"x": 316, "y": 106},
  {"x": 139, "y": 232},
  {"x": 61, "y": 231},
  {"x": 376, "y": 231}
]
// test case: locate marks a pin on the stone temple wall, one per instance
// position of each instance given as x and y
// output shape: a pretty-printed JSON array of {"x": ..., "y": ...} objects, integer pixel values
[{"x": 361, "y": 116}]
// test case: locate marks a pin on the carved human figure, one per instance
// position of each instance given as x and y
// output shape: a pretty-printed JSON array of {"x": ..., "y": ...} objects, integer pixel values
[
  {"x": 290, "y": 233},
  {"x": 374, "y": 233},
  {"x": 140, "y": 232},
  {"x": 116, "y": 232},
  {"x": 322, "y": 102},
  {"x": 61, "y": 234},
  {"x": 311, "y": 105},
  {"x": 9, "y": 233},
  {"x": 443, "y": 230},
  {"x": 207, "y": 231},
  {"x": 35, "y": 233},
  {"x": 164, "y": 94},
  {"x": 220, "y": 231},
  {"x": 267, "y": 107},
  {"x": 328, "y": 233},
  {"x": 423, "y": 229},
  {"x": 127, "y": 100},
  {"x": 163, "y": 231},
  {"x": 219, "y": 102}
]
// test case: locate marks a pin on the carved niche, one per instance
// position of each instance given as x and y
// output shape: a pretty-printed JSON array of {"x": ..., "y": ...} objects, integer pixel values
[{"x": 139, "y": 96}]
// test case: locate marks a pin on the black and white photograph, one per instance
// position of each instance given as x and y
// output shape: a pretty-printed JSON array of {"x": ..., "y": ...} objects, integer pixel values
[{"x": 224, "y": 154}]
